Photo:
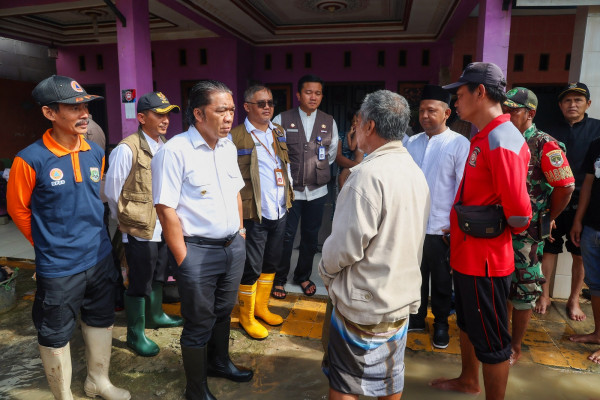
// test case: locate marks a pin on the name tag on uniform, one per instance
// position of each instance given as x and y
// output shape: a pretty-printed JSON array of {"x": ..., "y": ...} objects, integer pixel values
[
  {"x": 279, "y": 177},
  {"x": 321, "y": 153},
  {"x": 292, "y": 130}
]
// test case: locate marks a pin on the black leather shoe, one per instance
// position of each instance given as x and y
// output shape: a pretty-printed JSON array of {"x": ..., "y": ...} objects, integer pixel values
[
  {"x": 415, "y": 324},
  {"x": 440, "y": 338}
]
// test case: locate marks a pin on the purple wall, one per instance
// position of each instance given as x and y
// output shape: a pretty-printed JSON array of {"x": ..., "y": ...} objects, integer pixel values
[
  {"x": 167, "y": 73},
  {"x": 67, "y": 64},
  {"x": 237, "y": 63},
  {"x": 328, "y": 63}
]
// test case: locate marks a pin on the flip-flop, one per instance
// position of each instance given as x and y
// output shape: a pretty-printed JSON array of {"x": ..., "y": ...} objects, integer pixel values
[
  {"x": 281, "y": 292},
  {"x": 305, "y": 289}
]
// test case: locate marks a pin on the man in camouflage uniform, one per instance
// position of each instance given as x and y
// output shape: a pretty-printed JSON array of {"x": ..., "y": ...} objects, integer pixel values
[{"x": 550, "y": 183}]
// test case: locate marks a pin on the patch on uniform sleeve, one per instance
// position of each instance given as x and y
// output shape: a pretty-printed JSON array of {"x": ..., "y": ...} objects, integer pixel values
[
  {"x": 473, "y": 157},
  {"x": 278, "y": 132},
  {"x": 556, "y": 158},
  {"x": 95, "y": 174}
]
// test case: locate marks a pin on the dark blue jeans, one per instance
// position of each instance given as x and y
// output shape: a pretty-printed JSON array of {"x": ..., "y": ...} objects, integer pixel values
[{"x": 311, "y": 215}]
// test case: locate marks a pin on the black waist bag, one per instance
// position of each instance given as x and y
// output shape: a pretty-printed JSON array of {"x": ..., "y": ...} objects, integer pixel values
[{"x": 481, "y": 221}]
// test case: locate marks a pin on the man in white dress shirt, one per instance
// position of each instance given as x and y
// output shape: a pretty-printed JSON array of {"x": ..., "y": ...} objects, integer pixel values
[
  {"x": 441, "y": 154},
  {"x": 266, "y": 196},
  {"x": 312, "y": 140},
  {"x": 128, "y": 189},
  {"x": 195, "y": 185}
]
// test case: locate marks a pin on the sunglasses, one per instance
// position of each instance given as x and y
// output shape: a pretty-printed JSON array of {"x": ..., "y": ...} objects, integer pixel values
[{"x": 263, "y": 103}]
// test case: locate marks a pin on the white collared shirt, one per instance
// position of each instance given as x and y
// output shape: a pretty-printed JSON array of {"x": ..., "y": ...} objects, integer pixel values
[
  {"x": 308, "y": 122},
  {"x": 120, "y": 163},
  {"x": 199, "y": 183},
  {"x": 272, "y": 196},
  {"x": 442, "y": 159}
]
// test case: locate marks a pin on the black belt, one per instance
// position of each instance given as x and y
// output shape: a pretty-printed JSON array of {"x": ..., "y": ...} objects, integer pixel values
[{"x": 212, "y": 242}]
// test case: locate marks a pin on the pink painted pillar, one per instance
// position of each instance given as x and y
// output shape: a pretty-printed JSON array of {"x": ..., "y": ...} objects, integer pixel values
[
  {"x": 134, "y": 55},
  {"x": 493, "y": 33}
]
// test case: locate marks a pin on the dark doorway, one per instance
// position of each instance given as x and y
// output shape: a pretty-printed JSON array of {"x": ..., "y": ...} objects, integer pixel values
[
  {"x": 341, "y": 99},
  {"x": 98, "y": 108},
  {"x": 185, "y": 92}
]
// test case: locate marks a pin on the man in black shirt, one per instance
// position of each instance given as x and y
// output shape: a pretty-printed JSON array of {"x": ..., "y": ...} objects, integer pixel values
[
  {"x": 586, "y": 233},
  {"x": 576, "y": 131}
]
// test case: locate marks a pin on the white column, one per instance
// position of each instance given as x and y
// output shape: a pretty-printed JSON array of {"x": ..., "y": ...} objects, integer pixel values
[{"x": 585, "y": 54}]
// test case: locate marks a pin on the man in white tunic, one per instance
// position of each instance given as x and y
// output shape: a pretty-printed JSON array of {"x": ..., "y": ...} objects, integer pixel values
[{"x": 441, "y": 155}]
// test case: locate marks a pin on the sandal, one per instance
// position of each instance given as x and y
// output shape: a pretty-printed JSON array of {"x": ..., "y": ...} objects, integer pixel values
[
  {"x": 278, "y": 294},
  {"x": 306, "y": 289}
]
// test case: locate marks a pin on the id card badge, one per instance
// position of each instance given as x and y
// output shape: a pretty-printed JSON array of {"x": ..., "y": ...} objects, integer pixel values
[
  {"x": 321, "y": 153},
  {"x": 279, "y": 177}
]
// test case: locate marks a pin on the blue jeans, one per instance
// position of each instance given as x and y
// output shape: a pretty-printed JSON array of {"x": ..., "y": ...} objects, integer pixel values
[{"x": 590, "y": 252}]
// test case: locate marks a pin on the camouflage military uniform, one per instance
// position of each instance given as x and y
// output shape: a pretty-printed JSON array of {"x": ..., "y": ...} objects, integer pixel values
[{"x": 528, "y": 246}]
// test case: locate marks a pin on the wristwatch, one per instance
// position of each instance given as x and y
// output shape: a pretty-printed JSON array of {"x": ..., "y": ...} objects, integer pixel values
[{"x": 242, "y": 231}]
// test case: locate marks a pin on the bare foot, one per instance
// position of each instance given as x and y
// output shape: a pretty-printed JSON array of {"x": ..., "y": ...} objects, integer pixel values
[
  {"x": 542, "y": 304},
  {"x": 455, "y": 385},
  {"x": 593, "y": 337},
  {"x": 574, "y": 311},
  {"x": 514, "y": 357},
  {"x": 595, "y": 357}
]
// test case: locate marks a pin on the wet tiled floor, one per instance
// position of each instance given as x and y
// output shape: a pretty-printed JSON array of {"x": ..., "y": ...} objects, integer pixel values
[{"x": 546, "y": 340}]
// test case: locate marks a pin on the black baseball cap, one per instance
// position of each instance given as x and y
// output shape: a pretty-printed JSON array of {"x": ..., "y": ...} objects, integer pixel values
[
  {"x": 433, "y": 92},
  {"x": 488, "y": 74},
  {"x": 576, "y": 87},
  {"x": 157, "y": 102},
  {"x": 520, "y": 97},
  {"x": 61, "y": 89}
]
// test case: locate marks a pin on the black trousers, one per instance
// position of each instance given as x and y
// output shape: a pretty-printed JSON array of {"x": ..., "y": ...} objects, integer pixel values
[
  {"x": 311, "y": 214},
  {"x": 208, "y": 280},
  {"x": 435, "y": 265},
  {"x": 58, "y": 302},
  {"x": 147, "y": 262},
  {"x": 264, "y": 244}
]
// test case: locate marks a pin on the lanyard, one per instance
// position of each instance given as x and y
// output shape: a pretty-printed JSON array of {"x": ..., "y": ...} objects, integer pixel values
[{"x": 267, "y": 148}]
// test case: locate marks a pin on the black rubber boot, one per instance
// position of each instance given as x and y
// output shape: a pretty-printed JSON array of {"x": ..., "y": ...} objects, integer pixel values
[
  {"x": 219, "y": 363},
  {"x": 195, "y": 364}
]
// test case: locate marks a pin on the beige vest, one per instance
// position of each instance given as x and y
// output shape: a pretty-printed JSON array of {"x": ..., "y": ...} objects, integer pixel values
[
  {"x": 248, "y": 163},
  {"x": 136, "y": 212}
]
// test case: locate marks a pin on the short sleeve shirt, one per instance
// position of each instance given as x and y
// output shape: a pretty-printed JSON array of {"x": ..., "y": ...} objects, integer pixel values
[
  {"x": 548, "y": 168},
  {"x": 200, "y": 183}
]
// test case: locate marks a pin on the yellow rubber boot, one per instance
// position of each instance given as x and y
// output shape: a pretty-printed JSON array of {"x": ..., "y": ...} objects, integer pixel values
[
  {"x": 246, "y": 297},
  {"x": 263, "y": 291}
]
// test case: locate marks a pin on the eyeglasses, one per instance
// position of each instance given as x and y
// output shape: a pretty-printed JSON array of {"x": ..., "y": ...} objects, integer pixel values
[{"x": 263, "y": 103}]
